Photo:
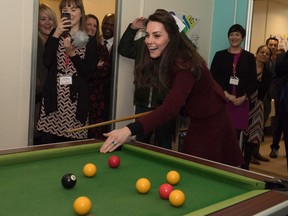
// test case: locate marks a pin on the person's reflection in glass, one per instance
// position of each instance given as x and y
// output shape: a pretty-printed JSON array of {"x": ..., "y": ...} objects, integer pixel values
[
  {"x": 70, "y": 56},
  {"x": 46, "y": 22},
  {"x": 101, "y": 83}
]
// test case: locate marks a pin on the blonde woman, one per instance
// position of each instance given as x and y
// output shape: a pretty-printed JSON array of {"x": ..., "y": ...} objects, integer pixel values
[{"x": 46, "y": 22}]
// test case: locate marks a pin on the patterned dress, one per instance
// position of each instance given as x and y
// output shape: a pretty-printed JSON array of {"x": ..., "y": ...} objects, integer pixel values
[
  {"x": 64, "y": 118},
  {"x": 254, "y": 132}
]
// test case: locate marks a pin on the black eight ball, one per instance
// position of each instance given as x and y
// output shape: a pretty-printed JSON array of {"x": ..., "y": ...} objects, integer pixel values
[{"x": 69, "y": 180}]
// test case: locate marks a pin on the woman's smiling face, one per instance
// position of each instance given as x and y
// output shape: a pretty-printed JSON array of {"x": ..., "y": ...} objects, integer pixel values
[
  {"x": 45, "y": 24},
  {"x": 235, "y": 39},
  {"x": 156, "y": 38}
]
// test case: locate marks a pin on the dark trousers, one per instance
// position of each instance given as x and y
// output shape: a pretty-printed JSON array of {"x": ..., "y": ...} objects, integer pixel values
[
  {"x": 281, "y": 125},
  {"x": 267, "y": 107},
  {"x": 163, "y": 134},
  {"x": 281, "y": 119}
]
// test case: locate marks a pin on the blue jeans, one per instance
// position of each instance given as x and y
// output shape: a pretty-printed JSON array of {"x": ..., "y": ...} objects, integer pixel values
[{"x": 163, "y": 134}]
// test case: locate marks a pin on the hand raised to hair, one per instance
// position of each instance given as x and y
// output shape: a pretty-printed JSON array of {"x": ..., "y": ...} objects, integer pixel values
[{"x": 139, "y": 23}]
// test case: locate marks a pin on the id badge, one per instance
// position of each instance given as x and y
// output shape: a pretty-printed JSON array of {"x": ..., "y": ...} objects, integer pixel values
[
  {"x": 65, "y": 80},
  {"x": 234, "y": 80}
]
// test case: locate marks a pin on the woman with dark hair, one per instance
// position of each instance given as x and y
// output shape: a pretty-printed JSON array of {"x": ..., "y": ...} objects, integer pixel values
[
  {"x": 168, "y": 61},
  {"x": 234, "y": 69},
  {"x": 70, "y": 56}
]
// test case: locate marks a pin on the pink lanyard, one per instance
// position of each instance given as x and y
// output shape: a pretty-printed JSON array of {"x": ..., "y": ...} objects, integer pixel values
[
  {"x": 67, "y": 59},
  {"x": 235, "y": 61}
]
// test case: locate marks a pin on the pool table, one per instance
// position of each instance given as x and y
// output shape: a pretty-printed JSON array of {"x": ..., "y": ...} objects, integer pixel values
[{"x": 30, "y": 183}]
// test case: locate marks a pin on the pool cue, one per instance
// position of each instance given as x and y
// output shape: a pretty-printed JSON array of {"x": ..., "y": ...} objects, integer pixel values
[{"x": 109, "y": 122}]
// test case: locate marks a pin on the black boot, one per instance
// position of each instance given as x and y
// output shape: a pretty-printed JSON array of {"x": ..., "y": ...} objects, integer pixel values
[
  {"x": 248, "y": 152},
  {"x": 254, "y": 158}
]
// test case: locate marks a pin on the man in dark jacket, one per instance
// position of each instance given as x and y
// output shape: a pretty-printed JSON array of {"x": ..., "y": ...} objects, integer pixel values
[
  {"x": 145, "y": 99},
  {"x": 281, "y": 104}
]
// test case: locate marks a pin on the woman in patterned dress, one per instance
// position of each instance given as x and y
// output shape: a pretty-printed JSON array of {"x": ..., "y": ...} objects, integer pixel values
[
  {"x": 70, "y": 56},
  {"x": 253, "y": 134}
]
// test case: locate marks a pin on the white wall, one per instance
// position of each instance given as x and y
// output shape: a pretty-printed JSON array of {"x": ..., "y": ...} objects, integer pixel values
[
  {"x": 124, "y": 68},
  {"x": 269, "y": 17},
  {"x": 16, "y": 38}
]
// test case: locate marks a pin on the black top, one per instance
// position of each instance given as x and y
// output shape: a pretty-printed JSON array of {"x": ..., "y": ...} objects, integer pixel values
[{"x": 222, "y": 70}]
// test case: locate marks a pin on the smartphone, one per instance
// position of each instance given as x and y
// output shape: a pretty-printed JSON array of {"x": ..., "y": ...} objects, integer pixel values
[{"x": 68, "y": 17}]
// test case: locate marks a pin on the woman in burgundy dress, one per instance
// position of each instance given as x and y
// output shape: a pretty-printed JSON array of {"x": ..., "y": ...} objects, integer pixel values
[{"x": 168, "y": 61}]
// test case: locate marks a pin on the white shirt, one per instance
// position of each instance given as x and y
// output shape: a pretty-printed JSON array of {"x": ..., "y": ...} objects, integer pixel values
[{"x": 109, "y": 43}]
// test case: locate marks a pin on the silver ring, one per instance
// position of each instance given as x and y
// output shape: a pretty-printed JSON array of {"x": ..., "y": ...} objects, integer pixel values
[{"x": 114, "y": 143}]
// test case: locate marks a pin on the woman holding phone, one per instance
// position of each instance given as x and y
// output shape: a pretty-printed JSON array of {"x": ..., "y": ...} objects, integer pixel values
[{"x": 70, "y": 56}]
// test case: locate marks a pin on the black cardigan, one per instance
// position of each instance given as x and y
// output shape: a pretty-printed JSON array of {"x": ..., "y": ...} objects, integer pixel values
[
  {"x": 79, "y": 89},
  {"x": 222, "y": 70},
  {"x": 264, "y": 84}
]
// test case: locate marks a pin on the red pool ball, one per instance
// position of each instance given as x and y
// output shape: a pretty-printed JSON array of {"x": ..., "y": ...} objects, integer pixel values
[
  {"x": 114, "y": 161},
  {"x": 69, "y": 180},
  {"x": 165, "y": 190}
]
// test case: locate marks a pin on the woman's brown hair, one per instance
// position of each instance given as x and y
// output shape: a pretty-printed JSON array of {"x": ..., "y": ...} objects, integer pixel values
[{"x": 157, "y": 72}]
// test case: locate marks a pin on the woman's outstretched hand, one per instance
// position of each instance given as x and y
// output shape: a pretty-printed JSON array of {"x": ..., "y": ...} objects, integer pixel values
[{"x": 115, "y": 139}]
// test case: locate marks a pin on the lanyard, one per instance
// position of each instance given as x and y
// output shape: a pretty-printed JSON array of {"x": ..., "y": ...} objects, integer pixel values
[
  {"x": 235, "y": 61},
  {"x": 234, "y": 69},
  {"x": 67, "y": 59}
]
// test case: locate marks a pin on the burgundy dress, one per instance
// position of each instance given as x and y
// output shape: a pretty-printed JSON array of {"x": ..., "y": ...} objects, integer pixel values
[{"x": 210, "y": 134}]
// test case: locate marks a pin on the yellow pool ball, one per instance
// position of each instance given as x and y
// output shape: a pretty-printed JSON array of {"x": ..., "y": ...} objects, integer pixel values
[
  {"x": 173, "y": 177},
  {"x": 143, "y": 185},
  {"x": 177, "y": 198},
  {"x": 89, "y": 170},
  {"x": 82, "y": 205}
]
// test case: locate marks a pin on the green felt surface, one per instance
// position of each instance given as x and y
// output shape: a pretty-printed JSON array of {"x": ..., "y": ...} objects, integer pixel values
[{"x": 31, "y": 183}]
